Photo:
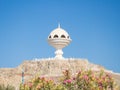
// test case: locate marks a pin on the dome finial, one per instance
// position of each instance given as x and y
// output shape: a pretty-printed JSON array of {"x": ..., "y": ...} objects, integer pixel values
[
  {"x": 59, "y": 39},
  {"x": 58, "y": 25}
]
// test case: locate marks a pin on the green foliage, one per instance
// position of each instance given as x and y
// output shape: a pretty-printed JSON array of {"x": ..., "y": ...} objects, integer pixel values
[
  {"x": 83, "y": 80},
  {"x": 8, "y": 87}
]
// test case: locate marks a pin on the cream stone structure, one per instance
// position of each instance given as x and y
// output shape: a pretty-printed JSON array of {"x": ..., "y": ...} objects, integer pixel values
[
  {"x": 50, "y": 67},
  {"x": 59, "y": 39}
]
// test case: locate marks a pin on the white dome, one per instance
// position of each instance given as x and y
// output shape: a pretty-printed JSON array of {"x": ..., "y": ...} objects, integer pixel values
[
  {"x": 59, "y": 33},
  {"x": 59, "y": 39}
]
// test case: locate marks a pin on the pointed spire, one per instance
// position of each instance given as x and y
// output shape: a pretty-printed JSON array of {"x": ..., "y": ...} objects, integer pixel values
[{"x": 58, "y": 25}]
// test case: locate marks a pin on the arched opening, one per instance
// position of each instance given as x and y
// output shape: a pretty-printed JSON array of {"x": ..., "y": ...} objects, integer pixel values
[
  {"x": 68, "y": 37},
  {"x": 55, "y": 36},
  {"x": 50, "y": 36},
  {"x": 63, "y": 36}
]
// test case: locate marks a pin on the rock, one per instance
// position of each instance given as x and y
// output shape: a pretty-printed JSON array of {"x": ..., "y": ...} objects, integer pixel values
[{"x": 49, "y": 68}]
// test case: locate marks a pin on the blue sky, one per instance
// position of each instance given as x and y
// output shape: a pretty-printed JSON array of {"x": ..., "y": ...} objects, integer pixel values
[{"x": 94, "y": 27}]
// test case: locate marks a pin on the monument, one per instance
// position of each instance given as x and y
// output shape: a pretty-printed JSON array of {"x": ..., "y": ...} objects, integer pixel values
[
  {"x": 59, "y": 39},
  {"x": 50, "y": 67}
]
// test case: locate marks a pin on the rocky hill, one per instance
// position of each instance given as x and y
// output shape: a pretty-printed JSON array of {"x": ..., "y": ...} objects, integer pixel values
[{"x": 48, "y": 67}]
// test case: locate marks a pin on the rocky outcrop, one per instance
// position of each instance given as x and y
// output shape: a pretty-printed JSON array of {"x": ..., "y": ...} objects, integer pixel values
[{"x": 47, "y": 67}]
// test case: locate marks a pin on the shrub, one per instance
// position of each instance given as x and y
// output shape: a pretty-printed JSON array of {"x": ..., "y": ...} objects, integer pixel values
[
  {"x": 8, "y": 87},
  {"x": 83, "y": 80}
]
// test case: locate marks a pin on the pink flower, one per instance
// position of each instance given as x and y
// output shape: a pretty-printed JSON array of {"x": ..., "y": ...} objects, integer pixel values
[
  {"x": 43, "y": 78},
  {"x": 85, "y": 77},
  {"x": 74, "y": 78},
  {"x": 51, "y": 79},
  {"x": 103, "y": 78},
  {"x": 101, "y": 88},
  {"x": 100, "y": 83},
  {"x": 67, "y": 81},
  {"x": 64, "y": 82},
  {"x": 30, "y": 84},
  {"x": 47, "y": 81}
]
